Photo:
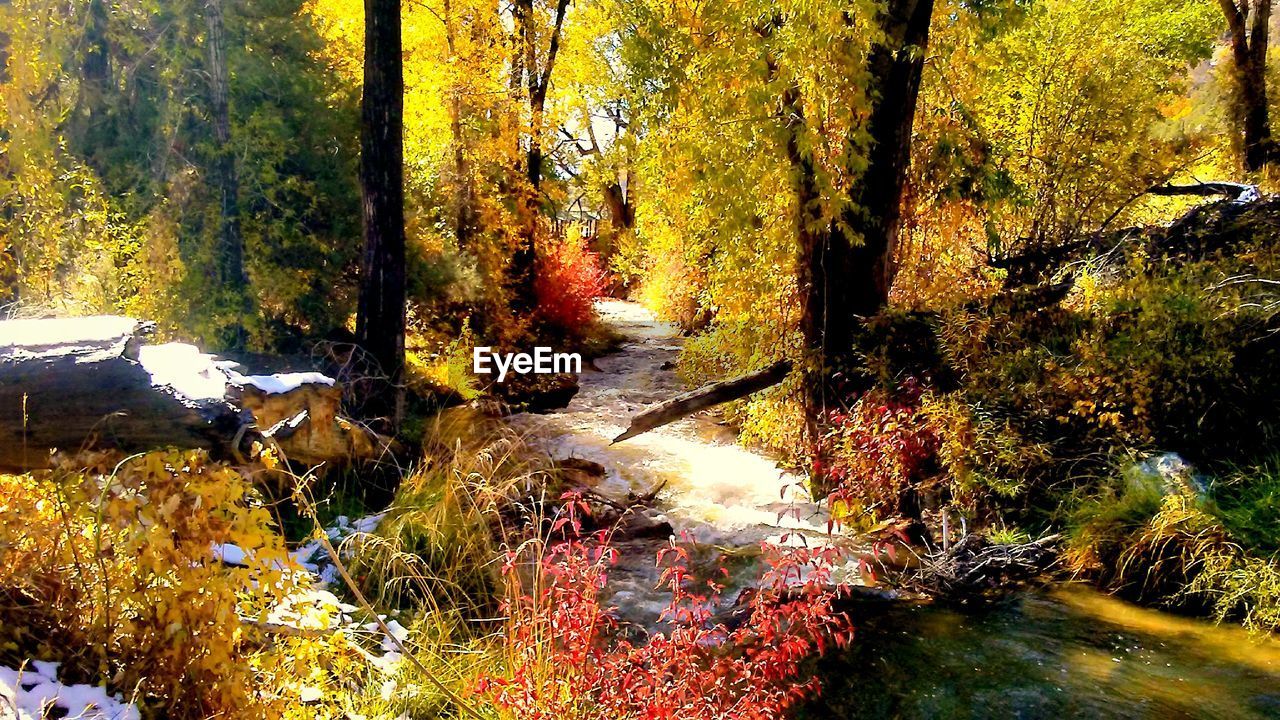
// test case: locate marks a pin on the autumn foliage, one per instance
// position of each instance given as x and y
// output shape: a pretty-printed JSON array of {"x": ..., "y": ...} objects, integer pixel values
[
  {"x": 570, "y": 277},
  {"x": 878, "y": 448},
  {"x": 567, "y": 660},
  {"x": 112, "y": 572}
]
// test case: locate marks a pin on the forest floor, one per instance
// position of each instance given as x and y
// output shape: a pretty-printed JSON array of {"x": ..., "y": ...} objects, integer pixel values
[{"x": 716, "y": 493}]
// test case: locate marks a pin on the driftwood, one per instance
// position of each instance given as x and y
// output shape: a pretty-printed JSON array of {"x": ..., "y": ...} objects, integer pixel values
[
  {"x": 1240, "y": 192},
  {"x": 668, "y": 411},
  {"x": 72, "y": 384},
  {"x": 1220, "y": 226},
  {"x": 975, "y": 568}
]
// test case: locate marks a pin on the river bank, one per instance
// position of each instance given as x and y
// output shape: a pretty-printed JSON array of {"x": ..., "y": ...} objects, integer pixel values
[{"x": 1066, "y": 651}]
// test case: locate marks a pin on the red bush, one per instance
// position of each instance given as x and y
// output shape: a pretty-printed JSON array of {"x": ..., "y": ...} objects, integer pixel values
[
  {"x": 566, "y": 662},
  {"x": 570, "y": 277},
  {"x": 876, "y": 450}
]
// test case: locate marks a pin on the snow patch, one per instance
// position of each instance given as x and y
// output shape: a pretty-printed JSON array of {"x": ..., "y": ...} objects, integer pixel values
[
  {"x": 34, "y": 692},
  {"x": 193, "y": 374},
  {"x": 198, "y": 375},
  {"x": 282, "y": 382},
  {"x": 37, "y": 336}
]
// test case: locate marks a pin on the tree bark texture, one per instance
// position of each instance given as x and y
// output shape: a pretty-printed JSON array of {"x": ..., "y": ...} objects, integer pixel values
[
  {"x": 845, "y": 271},
  {"x": 380, "y": 323},
  {"x": 1249, "y": 24}
]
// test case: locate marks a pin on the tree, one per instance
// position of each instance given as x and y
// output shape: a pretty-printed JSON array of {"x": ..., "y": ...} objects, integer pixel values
[
  {"x": 380, "y": 318},
  {"x": 229, "y": 249},
  {"x": 1248, "y": 23},
  {"x": 535, "y": 67},
  {"x": 846, "y": 271}
]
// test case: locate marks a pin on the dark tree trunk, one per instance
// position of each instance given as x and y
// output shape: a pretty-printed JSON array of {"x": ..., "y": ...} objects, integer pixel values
[
  {"x": 846, "y": 274},
  {"x": 95, "y": 79},
  {"x": 622, "y": 215},
  {"x": 811, "y": 236},
  {"x": 1249, "y": 56},
  {"x": 229, "y": 251},
  {"x": 380, "y": 318},
  {"x": 90, "y": 129}
]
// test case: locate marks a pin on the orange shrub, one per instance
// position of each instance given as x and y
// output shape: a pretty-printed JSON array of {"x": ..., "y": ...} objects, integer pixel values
[{"x": 570, "y": 277}]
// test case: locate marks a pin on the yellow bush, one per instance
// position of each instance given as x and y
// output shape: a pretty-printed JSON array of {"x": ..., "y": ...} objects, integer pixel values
[{"x": 112, "y": 571}]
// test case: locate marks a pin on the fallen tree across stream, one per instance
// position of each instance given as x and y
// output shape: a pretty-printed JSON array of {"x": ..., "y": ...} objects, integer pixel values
[
  {"x": 78, "y": 383},
  {"x": 717, "y": 393}
]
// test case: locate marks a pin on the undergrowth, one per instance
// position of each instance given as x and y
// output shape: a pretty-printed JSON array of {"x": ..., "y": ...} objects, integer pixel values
[
  {"x": 1207, "y": 549},
  {"x": 109, "y": 567}
]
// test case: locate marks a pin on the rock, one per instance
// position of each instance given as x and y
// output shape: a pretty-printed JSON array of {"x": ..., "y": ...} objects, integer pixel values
[
  {"x": 537, "y": 393},
  {"x": 1167, "y": 474},
  {"x": 644, "y": 524},
  {"x": 579, "y": 473}
]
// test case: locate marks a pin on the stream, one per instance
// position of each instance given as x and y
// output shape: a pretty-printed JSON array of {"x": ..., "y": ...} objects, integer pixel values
[{"x": 1067, "y": 652}]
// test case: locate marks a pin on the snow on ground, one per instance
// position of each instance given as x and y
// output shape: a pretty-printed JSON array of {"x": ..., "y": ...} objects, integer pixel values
[{"x": 33, "y": 692}]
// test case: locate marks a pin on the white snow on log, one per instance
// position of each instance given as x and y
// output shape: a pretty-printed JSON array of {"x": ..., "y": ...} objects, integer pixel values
[
  {"x": 1245, "y": 193},
  {"x": 191, "y": 373},
  {"x": 282, "y": 382},
  {"x": 200, "y": 376},
  {"x": 35, "y": 337},
  {"x": 34, "y": 692}
]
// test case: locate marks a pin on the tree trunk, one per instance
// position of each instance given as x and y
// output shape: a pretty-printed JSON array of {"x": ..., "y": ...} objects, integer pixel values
[
  {"x": 622, "y": 216},
  {"x": 229, "y": 251},
  {"x": 1249, "y": 57},
  {"x": 86, "y": 126},
  {"x": 525, "y": 259},
  {"x": 68, "y": 384},
  {"x": 464, "y": 211},
  {"x": 380, "y": 318},
  {"x": 845, "y": 275}
]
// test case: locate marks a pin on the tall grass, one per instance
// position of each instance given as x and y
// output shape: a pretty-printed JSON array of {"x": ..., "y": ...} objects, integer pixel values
[{"x": 1213, "y": 551}]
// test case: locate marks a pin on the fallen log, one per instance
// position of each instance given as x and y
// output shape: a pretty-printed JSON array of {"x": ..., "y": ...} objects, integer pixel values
[
  {"x": 1221, "y": 226},
  {"x": 78, "y": 383},
  {"x": 1240, "y": 192},
  {"x": 668, "y": 411}
]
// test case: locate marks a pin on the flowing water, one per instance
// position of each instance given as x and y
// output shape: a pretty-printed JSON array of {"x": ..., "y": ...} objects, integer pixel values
[
  {"x": 1070, "y": 652},
  {"x": 722, "y": 496}
]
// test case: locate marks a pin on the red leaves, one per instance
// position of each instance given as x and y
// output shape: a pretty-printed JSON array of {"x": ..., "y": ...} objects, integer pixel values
[
  {"x": 570, "y": 277},
  {"x": 873, "y": 452},
  {"x": 567, "y": 662}
]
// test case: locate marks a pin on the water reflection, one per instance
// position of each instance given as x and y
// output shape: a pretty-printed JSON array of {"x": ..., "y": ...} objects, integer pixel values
[{"x": 1070, "y": 653}]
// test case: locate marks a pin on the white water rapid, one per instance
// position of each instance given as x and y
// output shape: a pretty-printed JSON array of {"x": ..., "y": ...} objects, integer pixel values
[{"x": 717, "y": 493}]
